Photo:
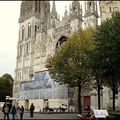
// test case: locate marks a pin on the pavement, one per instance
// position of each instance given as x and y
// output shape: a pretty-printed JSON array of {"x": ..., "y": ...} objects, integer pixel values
[
  {"x": 48, "y": 116},
  {"x": 51, "y": 116}
]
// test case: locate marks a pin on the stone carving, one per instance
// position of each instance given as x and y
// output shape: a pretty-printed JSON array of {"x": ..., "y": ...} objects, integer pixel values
[{"x": 47, "y": 8}]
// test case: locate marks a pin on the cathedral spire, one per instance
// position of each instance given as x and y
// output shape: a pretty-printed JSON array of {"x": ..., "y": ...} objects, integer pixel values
[
  {"x": 91, "y": 14},
  {"x": 75, "y": 9},
  {"x": 28, "y": 9},
  {"x": 65, "y": 17},
  {"x": 90, "y": 8},
  {"x": 54, "y": 12},
  {"x": 66, "y": 12}
]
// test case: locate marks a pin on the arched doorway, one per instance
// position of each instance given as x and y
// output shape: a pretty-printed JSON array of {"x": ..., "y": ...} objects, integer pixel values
[
  {"x": 26, "y": 105},
  {"x": 45, "y": 104},
  {"x": 61, "y": 41},
  {"x": 86, "y": 101}
]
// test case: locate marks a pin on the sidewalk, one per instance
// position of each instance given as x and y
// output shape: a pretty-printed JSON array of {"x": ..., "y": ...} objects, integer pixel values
[{"x": 46, "y": 116}]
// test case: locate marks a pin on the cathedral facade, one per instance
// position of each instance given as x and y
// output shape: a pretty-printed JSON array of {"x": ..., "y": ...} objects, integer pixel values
[
  {"x": 107, "y": 8},
  {"x": 41, "y": 32}
]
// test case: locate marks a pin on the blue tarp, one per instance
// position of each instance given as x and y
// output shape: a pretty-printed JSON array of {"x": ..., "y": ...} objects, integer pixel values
[{"x": 41, "y": 80}]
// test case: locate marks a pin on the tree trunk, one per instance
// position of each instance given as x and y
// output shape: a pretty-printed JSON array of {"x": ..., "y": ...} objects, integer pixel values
[
  {"x": 113, "y": 98},
  {"x": 113, "y": 91},
  {"x": 98, "y": 96},
  {"x": 79, "y": 97},
  {"x": 113, "y": 101}
]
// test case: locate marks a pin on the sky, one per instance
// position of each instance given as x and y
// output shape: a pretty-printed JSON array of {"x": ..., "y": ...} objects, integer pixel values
[{"x": 9, "y": 28}]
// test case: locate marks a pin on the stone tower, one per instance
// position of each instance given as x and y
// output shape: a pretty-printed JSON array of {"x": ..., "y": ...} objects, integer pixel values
[
  {"x": 54, "y": 14},
  {"x": 75, "y": 14},
  {"x": 91, "y": 14},
  {"x": 30, "y": 15}
]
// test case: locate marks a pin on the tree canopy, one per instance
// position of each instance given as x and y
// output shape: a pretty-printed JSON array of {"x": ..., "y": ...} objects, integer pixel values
[
  {"x": 71, "y": 61},
  {"x": 107, "y": 52},
  {"x": 6, "y": 86}
]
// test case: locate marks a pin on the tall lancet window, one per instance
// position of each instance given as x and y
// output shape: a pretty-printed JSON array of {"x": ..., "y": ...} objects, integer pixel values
[
  {"x": 27, "y": 48},
  {"x": 29, "y": 31},
  {"x": 35, "y": 30},
  {"x": 23, "y": 33},
  {"x": 35, "y": 6},
  {"x": 20, "y": 50}
]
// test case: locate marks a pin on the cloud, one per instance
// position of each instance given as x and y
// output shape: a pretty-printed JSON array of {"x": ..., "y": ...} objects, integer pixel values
[
  {"x": 9, "y": 14},
  {"x": 7, "y": 64}
]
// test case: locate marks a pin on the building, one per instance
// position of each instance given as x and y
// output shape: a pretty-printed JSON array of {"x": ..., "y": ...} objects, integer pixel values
[
  {"x": 107, "y": 7},
  {"x": 41, "y": 32}
]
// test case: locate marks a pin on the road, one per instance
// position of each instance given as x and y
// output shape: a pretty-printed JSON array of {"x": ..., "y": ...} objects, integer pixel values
[{"x": 38, "y": 116}]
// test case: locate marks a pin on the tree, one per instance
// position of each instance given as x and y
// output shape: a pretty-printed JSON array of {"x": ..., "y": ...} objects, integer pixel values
[
  {"x": 70, "y": 64},
  {"x": 97, "y": 73},
  {"x": 6, "y": 86},
  {"x": 107, "y": 47}
]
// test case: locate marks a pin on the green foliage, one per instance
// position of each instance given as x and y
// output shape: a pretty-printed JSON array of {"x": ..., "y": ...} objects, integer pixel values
[
  {"x": 71, "y": 61},
  {"x": 6, "y": 86},
  {"x": 107, "y": 52},
  {"x": 107, "y": 42}
]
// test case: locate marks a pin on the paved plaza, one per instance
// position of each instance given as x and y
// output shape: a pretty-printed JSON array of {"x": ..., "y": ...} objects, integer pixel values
[
  {"x": 64, "y": 116},
  {"x": 53, "y": 116}
]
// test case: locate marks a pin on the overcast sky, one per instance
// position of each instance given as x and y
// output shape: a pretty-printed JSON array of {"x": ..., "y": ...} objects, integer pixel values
[{"x": 9, "y": 15}]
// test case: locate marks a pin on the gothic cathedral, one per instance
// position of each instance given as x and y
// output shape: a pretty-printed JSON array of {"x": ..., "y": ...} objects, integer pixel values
[{"x": 41, "y": 32}]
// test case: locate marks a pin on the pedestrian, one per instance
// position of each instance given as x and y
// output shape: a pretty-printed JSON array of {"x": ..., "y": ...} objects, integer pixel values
[
  {"x": 21, "y": 112},
  {"x": 5, "y": 110},
  {"x": 18, "y": 111},
  {"x": 90, "y": 114},
  {"x": 32, "y": 108},
  {"x": 13, "y": 112}
]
